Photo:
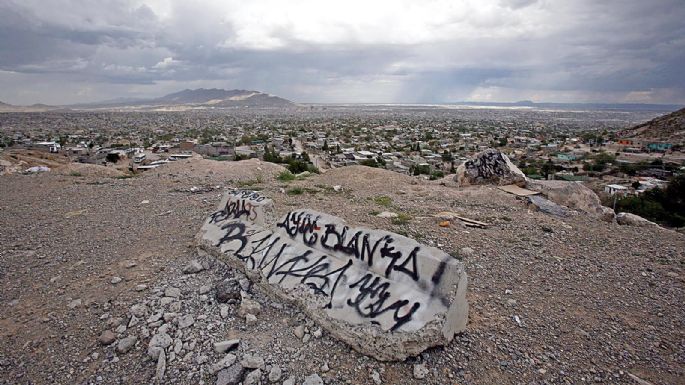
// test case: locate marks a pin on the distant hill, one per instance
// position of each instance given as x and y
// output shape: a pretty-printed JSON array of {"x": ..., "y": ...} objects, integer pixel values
[
  {"x": 198, "y": 98},
  {"x": 5, "y": 107},
  {"x": 669, "y": 127},
  {"x": 578, "y": 106}
]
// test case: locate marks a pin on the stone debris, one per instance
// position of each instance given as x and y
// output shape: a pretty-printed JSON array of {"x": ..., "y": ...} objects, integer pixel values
[
  {"x": 126, "y": 344},
  {"x": 226, "y": 346},
  {"x": 275, "y": 373},
  {"x": 228, "y": 360},
  {"x": 193, "y": 267},
  {"x": 161, "y": 367},
  {"x": 314, "y": 379},
  {"x": 252, "y": 361},
  {"x": 115, "y": 280},
  {"x": 253, "y": 377},
  {"x": 231, "y": 375},
  {"x": 420, "y": 371},
  {"x": 107, "y": 337}
]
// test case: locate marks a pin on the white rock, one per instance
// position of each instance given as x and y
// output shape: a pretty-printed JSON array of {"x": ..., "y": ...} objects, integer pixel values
[
  {"x": 275, "y": 373},
  {"x": 115, "y": 280},
  {"x": 253, "y": 377},
  {"x": 420, "y": 371},
  {"x": 173, "y": 292},
  {"x": 314, "y": 379},
  {"x": 251, "y": 361},
  {"x": 224, "y": 346},
  {"x": 161, "y": 367},
  {"x": 185, "y": 321}
]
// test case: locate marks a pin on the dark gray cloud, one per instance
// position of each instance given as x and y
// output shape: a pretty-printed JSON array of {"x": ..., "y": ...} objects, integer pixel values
[{"x": 354, "y": 51}]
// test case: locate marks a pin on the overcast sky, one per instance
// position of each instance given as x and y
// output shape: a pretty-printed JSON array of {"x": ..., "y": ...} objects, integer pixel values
[{"x": 371, "y": 51}]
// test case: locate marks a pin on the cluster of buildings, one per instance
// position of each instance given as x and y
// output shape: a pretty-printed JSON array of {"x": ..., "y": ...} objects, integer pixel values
[{"x": 412, "y": 141}]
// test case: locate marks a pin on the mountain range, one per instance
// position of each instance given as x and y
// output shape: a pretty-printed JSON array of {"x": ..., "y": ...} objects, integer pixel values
[
  {"x": 215, "y": 98},
  {"x": 183, "y": 100}
]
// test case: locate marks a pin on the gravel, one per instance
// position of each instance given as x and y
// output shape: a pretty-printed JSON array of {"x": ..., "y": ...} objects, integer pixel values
[{"x": 596, "y": 302}]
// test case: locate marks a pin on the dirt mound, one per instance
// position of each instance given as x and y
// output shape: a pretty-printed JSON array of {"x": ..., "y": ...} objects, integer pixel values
[
  {"x": 18, "y": 160},
  {"x": 220, "y": 171},
  {"x": 83, "y": 169}
]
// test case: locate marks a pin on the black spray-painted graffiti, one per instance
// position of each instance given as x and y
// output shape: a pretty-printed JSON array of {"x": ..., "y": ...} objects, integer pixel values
[
  {"x": 359, "y": 244},
  {"x": 241, "y": 207},
  {"x": 488, "y": 165},
  {"x": 368, "y": 278}
]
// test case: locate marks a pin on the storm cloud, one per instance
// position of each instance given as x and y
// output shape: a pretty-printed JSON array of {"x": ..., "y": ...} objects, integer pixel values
[{"x": 69, "y": 51}]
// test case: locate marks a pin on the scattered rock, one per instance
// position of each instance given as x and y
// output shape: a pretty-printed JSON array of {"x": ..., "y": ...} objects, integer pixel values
[
  {"x": 387, "y": 214},
  {"x": 228, "y": 360},
  {"x": 193, "y": 267},
  {"x": 225, "y": 346},
  {"x": 275, "y": 373},
  {"x": 74, "y": 304},
  {"x": 249, "y": 306},
  {"x": 161, "y": 367},
  {"x": 253, "y": 377},
  {"x": 227, "y": 290},
  {"x": 314, "y": 379},
  {"x": 299, "y": 332},
  {"x": 172, "y": 292},
  {"x": 231, "y": 375},
  {"x": 420, "y": 371},
  {"x": 376, "y": 378},
  {"x": 141, "y": 287},
  {"x": 107, "y": 337},
  {"x": 115, "y": 280},
  {"x": 139, "y": 311},
  {"x": 125, "y": 344},
  {"x": 185, "y": 321},
  {"x": 158, "y": 342},
  {"x": 250, "y": 319},
  {"x": 251, "y": 361}
]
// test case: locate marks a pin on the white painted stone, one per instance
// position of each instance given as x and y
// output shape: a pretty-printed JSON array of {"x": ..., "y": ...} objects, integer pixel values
[{"x": 382, "y": 293}]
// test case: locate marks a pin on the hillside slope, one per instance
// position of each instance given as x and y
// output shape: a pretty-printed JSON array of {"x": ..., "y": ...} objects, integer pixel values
[
  {"x": 670, "y": 127},
  {"x": 553, "y": 300}
]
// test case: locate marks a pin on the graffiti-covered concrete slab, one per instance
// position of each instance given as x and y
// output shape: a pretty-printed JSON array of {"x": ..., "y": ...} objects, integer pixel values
[{"x": 382, "y": 293}]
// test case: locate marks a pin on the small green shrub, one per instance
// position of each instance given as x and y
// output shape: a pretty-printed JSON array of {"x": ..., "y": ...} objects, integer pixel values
[
  {"x": 285, "y": 176},
  {"x": 383, "y": 200},
  {"x": 295, "y": 191},
  {"x": 401, "y": 219}
]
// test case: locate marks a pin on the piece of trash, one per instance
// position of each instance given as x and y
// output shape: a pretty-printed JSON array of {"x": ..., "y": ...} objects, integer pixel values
[
  {"x": 444, "y": 224},
  {"x": 448, "y": 215},
  {"x": 145, "y": 202}
]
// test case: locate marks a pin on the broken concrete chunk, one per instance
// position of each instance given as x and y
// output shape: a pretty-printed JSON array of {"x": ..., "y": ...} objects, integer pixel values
[{"x": 382, "y": 293}]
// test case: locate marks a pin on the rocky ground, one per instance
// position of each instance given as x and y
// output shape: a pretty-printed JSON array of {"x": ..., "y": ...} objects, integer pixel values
[{"x": 101, "y": 284}]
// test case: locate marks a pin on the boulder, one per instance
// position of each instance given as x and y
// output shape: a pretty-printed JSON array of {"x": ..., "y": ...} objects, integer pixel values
[
  {"x": 384, "y": 294},
  {"x": 489, "y": 167},
  {"x": 628, "y": 219},
  {"x": 573, "y": 195}
]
